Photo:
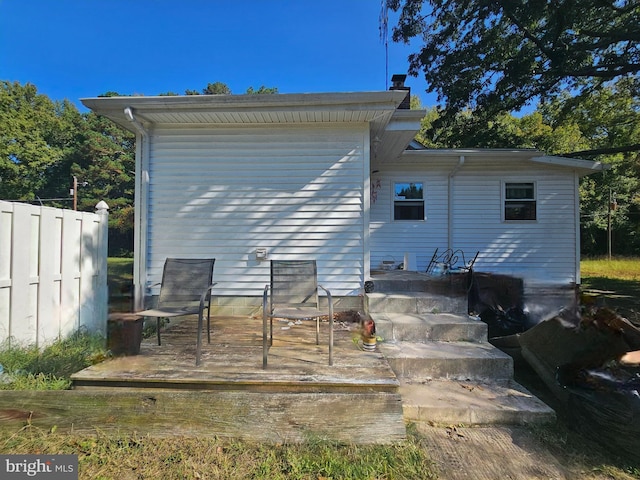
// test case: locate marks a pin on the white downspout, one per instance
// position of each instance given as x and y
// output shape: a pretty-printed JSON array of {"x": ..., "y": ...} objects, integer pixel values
[
  {"x": 450, "y": 201},
  {"x": 576, "y": 213},
  {"x": 140, "y": 201}
]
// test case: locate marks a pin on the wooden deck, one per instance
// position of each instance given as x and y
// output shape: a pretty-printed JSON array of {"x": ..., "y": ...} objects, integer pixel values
[
  {"x": 161, "y": 392},
  {"x": 233, "y": 360}
]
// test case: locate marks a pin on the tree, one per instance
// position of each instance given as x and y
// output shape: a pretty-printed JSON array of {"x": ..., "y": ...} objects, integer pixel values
[
  {"x": 609, "y": 122},
  {"x": 496, "y": 56},
  {"x": 217, "y": 88},
  {"x": 104, "y": 162},
  {"x": 35, "y": 134},
  {"x": 262, "y": 90}
]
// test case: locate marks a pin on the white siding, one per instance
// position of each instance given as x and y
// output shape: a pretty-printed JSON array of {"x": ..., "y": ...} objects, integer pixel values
[
  {"x": 225, "y": 192},
  {"x": 391, "y": 240},
  {"x": 543, "y": 251}
]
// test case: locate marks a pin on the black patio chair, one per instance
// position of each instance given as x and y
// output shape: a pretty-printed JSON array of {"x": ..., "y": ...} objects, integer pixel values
[
  {"x": 185, "y": 290},
  {"x": 293, "y": 294}
]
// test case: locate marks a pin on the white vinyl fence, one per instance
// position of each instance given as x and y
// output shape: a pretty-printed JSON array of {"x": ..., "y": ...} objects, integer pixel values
[{"x": 53, "y": 272}]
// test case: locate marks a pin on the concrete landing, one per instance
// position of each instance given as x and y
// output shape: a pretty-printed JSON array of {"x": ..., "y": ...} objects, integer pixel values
[{"x": 450, "y": 402}]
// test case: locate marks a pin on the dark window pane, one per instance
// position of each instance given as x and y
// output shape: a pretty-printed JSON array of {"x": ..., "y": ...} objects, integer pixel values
[
  {"x": 408, "y": 210},
  {"x": 519, "y": 210}
]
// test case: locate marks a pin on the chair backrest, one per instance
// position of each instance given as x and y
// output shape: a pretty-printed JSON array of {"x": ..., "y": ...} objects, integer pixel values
[
  {"x": 184, "y": 280},
  {"x": 294, "y": 283}
]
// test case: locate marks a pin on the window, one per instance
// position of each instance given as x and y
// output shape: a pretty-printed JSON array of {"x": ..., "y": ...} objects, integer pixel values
[
  {"x": 408, "y": 201},
  {"x": 519, "y": 201}
]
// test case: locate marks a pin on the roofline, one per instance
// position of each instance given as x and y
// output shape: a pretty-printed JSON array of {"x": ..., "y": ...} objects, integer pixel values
[
  {"x": 457, "y": 152},
  {"x": 376, "y": 106},
  {"x": 584, "y": 167},
  {"x": 234, "y": 102},
  {"x": 588, "y": 165}
]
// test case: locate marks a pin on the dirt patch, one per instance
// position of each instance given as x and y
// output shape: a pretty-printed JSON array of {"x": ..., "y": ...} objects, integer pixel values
[{"x": 489, "y": 453}]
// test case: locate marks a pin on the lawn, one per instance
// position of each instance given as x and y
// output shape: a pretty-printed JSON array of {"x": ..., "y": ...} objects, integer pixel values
[{"x": 615, "y": 284}]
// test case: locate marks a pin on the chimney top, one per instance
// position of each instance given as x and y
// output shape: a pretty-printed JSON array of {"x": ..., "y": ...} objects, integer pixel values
[
  {"x": 398, "y": 79},
  {"x": 397, "y": 83}
]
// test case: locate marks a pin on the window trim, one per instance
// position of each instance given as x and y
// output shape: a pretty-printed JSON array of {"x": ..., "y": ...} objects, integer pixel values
[
  {"x": 504, "y": 200},
  {"x": 393, "y": 200}
]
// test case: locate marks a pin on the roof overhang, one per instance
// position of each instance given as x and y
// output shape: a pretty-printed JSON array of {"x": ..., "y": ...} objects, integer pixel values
[
  {"x": 489, "y": 156},
  {"x": 388, "y": 143},
  {"x": 584, "y": 167},
  {"x": 376, "y": 108}
]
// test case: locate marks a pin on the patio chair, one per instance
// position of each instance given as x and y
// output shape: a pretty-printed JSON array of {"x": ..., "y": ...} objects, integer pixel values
[
  {"x": 293, "y": 294},
  {"x": 185, "y": 290}
]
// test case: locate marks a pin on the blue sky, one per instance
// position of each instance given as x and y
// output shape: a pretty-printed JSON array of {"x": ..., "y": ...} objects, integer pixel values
[{"x": 82, "y": 48}]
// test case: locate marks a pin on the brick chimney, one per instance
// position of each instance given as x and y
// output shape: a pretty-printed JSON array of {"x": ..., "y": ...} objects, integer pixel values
[{"x": 397, "y": 83}]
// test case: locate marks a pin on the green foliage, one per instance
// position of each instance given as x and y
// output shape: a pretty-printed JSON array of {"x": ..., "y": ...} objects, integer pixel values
[
  {"x": 105, "y": 160},
  {"x": 50, "y": 368},
  {"x": 491, "y": 57},
  {"x": 36, "y": 134},
  {"x": 217, "y": 88},
  {"x": 262, "y": 90}
]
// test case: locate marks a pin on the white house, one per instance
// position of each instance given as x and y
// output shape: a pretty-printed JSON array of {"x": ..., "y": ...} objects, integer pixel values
[{"x": 333, "y": 177}]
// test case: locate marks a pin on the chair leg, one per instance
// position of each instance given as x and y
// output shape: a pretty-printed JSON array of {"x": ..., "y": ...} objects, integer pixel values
[
  {"x": 265, "y": 347},
  {"x": 271, "y": 331},
  {"x": 199, "y": 340},
  {"x": 158, "y": 330},
  {"x": 208, "y": 327},
  {"x": 317, "y": 330},
  {"x": 330, "y": 333}
]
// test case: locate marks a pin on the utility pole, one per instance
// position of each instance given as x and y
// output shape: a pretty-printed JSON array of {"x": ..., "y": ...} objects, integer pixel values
[{"x": 75, "y": 192}]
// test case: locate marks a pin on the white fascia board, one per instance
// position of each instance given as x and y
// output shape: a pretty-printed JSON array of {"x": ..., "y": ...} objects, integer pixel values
[
  {"x": 519, "y": 153},
  {"x": 406, "y": 120},
  {"x": 585, "y": 167}
]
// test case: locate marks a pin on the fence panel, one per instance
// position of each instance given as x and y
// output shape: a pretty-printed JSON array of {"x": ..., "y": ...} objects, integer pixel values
[{"x": 53, "y": 272}]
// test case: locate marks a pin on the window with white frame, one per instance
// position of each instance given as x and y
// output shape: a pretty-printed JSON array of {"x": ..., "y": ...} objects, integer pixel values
[
  {"x": 520, "y": 201},
  {"x": 408, "y": 201}
]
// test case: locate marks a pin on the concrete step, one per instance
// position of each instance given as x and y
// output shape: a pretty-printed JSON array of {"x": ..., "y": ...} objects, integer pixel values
[
  {"x": 441, "y": 327},
  {"x": 451, "y": 402},
  {"x": 448, "y": 360},
  {"x": 415, "y": 302},
  {"x": 405, "y": 281}
]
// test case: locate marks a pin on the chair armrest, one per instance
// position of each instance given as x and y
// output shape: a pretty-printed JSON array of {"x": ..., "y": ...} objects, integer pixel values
[
  {"x": 265, "y": 298},
  {"x": 329, "y": 297},
  {"x": 204, "y": 295},
  {"x": 149, "y": 287}
]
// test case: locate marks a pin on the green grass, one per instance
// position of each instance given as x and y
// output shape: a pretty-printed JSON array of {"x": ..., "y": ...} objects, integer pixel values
[
  {"x": 616, "y": 268},
  {"x": 30, "y": 368},
  {"x": 129, "y": 456},
  {"x": 614, "y": 283}
]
